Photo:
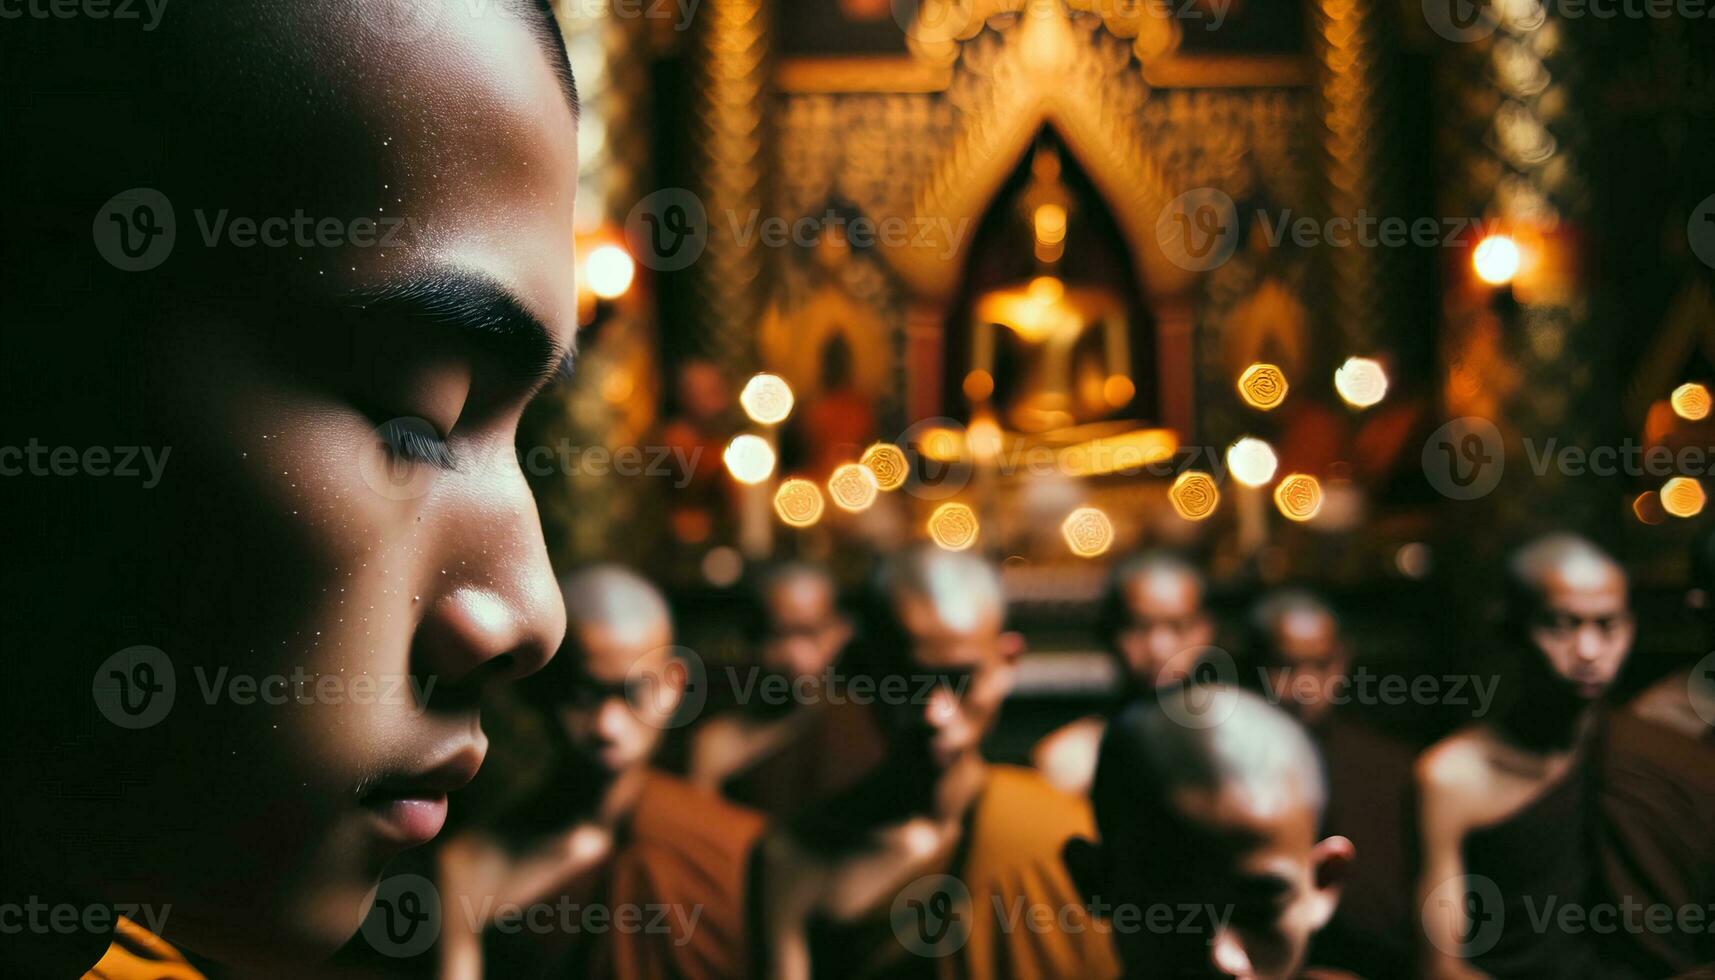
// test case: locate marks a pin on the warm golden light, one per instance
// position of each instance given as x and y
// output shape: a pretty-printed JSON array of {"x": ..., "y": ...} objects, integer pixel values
[
  {"x": 888, "y": 463},
  {"x": 798, "y": 502},
  {"x": 1691, "y": 402},
  {"x": 767, "y": 399},
  {"x": 750, "y": 459},
  {"x": 979, "y": 385},
  {"x": 1118, "y": 390},
  {"x": 1118, "y": 454},
  {"x": 1647, "y": 507},
  {"x": 1050, "y": 224},
  {"x": 1299, "y": 496},
  {"x": 941, "y": 444},
  {"x": 1088, "y": 532},
  {"x": 853, "y": 487},
  {"x": 1263, "y": 386},
  {"x": 1252, "y": 461},
  {"x": 1361, "y": 381},
  {"x": 1682, "y": 497},
  {"x": 1496, "y": 260},
  {"x": 953, "y": 526},
  {"x": 1194, "y": 495},
  {"x": 609, "y": 271},
  {"x": 984, "y": 439}
]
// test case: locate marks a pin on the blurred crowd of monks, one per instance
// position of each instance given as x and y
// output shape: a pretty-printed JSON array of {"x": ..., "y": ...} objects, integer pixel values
[{"x": 1194, "y": 828}]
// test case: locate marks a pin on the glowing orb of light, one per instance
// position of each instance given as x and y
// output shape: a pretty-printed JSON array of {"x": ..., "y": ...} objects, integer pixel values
[
  {"x": 1298, "y": 496},
  {"x": 1088, "y": 532},
  {"x": 888, "y": 463},
  {"x": 609, "y": 270},
  {"x": 1682, "y": 497},
  {"x": 1691, "y": 402},
  {"x": 1252, "y": 461},
  {"x": 750, "y": 459},
  {"x": 853, "y": 487},
  {"x": 798, "y": 502},
  {"x": 954, "y": 526},
  {"x": 1361, "y": 381},
  {"x": 767, "y": 399},
  {"x": 1194, "y": 495},
  {"x": 1496, "y": 260},
  {"x": 1263, "y": 386}
]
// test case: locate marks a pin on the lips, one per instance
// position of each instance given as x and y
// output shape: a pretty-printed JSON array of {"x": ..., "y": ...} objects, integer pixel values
[{"x": 410, "y": 807}]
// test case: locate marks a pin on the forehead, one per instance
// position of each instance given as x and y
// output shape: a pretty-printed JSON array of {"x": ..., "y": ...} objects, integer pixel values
[
  {"x": 940, "y": 640},
  {"x": 1245, "y": 832},
  {"x": 463, "y": 132},
  {"x": 1161, "y": 592},
  {"x": 608, "y": 653},
  {"x": 1584, "y": 587}
]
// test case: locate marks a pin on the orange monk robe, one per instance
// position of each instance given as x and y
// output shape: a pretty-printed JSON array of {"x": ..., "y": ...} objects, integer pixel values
[
  {"x": 680, "y": 859},
  {"x": 1026, "y": 919},
  {"x": 839, "y": 746},
  {"x": 138, "y": 954}
]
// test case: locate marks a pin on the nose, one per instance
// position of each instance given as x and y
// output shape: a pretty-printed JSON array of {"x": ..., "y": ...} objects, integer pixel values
[
  {"x": 498, "y": 613},
  {"x": 939, "y": 710},
  {"x": 611, "y": 719},
  {"x": 1590, "y": 642},
  {"x": 1229, "y": 954}
]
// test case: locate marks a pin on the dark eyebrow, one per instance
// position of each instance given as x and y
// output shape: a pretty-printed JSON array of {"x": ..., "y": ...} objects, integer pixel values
[{"x": 478, "y": 308}]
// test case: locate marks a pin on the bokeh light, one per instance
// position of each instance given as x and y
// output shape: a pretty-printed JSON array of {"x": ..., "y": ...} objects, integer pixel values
[
  {"x": 1682, "y": 496},
  {"x": 1194, "y": 495},
  {"x": 1361, "y": 382},
  {"x": 1691, "y": 402},
  {"x": 767, "y": 399},
  {"x": 1263, "y": 386},
  {"x": 798, "y": 502},
  {"x": 609, "y": 270},
  {"x": 1496, "y": 260},
  {"x": 1088, "y": 532},
  {"x": 750, "y": 459},
  {"x": 953, "y": 526},
  {"x": 1251, "y": 461},
  {"x": 853, "y": 487},
  {"x": 888, "y": 463},
  {"x": 1298, "y": 496}
]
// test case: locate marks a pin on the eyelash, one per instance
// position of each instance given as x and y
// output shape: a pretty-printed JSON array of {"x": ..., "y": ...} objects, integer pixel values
[{"x": 416, "y": 441}]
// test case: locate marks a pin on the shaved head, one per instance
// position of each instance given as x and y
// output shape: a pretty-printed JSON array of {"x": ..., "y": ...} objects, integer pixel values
[
  {"x": 1210, "y": 797},
  {"x": 1567, "y": 603},
  {"x": 1567, "y": 558},
  {"x": 617, "y": 600},
  {"x": 1153, "y": 752},
  {"x": 1152, "y": 618},
  {"x": 959, "y": 589}
]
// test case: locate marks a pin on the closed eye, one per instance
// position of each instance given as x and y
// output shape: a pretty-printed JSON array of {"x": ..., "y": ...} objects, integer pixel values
[{"x": 412, "y": 440}]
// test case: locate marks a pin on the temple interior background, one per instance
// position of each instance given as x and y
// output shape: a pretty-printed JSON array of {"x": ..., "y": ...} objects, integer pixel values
[{"x": 1025, "y": 272}]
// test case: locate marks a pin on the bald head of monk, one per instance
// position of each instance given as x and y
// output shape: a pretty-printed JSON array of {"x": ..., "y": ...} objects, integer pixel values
[
  {"x": 1295, "y": 638},
  {"x": 617, "y": 682},
  {"x": 1153, "y": 618},
  {"x": 1209, "y": 798},
  {"x": 937, "y": 619},
  {"x": 1568, "y": 608}
]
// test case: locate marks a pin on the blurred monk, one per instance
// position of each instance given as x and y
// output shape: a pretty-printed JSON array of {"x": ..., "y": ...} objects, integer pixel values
[
  {"x": 609, "y": 834},
  {"x": 1305, "y": 666},
  {"x": 774, "y": 751},
  {"x": 925, "y": 868},
  {"x": 1236, "y": 784},
  {"x": 1154, "y": 624},
  {"x": 1507, "y": 800}
]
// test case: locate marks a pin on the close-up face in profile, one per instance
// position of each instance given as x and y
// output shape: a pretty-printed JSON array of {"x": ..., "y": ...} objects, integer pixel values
[
  {"x": 803, "y": 630},
  {"x": 1250, "y": 868},
  {"x": 307, "y": 532},
  {"x": 958, "y": 674},
  {"x": 622, "y": 690},
  {"x": 1584, "y": 627},
  {"x": 1303, "y": 662},
  {"x": 1165, "y": 627}
]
